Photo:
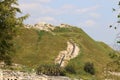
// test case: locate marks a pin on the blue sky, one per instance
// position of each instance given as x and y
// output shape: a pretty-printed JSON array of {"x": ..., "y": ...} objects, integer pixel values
[{"x": 93, "y": 16}]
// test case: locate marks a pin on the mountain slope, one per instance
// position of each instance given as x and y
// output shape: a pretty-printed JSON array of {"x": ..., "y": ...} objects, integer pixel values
[{"x": 35, "y": 47}]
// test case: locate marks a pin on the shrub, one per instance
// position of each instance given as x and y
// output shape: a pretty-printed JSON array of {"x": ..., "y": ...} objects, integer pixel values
[
  {"x": 40, "y": 33},
  {"x": 89, "y": 68},
  {"x": 50, "y": 70},
  {"x": 58, "y": 29},
  {"x": 70, "y": 69}
]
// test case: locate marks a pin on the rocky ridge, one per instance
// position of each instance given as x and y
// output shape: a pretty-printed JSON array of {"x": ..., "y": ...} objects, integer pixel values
[{"x": 45, "y": 26}]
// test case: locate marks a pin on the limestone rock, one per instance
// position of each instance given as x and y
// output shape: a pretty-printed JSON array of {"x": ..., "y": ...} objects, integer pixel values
[{"x": 41, "y": 26}]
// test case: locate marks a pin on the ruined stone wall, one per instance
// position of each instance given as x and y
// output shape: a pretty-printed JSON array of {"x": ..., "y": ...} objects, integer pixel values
[{"x": 64, "y": 56}]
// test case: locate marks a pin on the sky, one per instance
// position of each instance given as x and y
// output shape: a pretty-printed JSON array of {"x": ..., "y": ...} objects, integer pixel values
[{"x": 93, "y": 16}]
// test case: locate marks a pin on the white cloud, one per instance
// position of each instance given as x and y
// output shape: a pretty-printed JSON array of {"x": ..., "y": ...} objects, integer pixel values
[
  {"x": 44, "y": 1},
  {"x": 46, "y": 10},
  {"x": 47, "y": 19},
  {"x": 94, "y": 15},
  {"x": 29, "y": 6},
  {"x": 90, "y": 23},
  {"x": 37, "y": 8},
  {"x": 35, "y": 5},
  {"x": 68, "y": 6},
  {"x": 86, "y": 10}
]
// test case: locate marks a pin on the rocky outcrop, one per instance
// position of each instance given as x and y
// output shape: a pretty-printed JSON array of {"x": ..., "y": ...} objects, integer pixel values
[
  {"x": 45, "y": 26},
  {"x": 41, "y": 26},
  {"x": 64, "y": 25},
  {"x": 71, "y": 52},
  {"x": 114, "y": 73}
]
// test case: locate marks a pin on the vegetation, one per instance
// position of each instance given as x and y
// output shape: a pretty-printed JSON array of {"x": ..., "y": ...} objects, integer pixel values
[
  {"x": 89, "y": 68},
  {"x": 118, "y": 16},
  {"x": 70, "y": 69},
  {"x": 50, "y": 70},
  {"x": 9, "y": 24},
  {"x": 114, "y": 66},
  {"x": 34, "y": 48}
]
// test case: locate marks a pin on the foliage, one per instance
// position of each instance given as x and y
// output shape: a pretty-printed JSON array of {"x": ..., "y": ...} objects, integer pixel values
[
  {"x": 30, "y": 52},
  {"x": 40, "y": 33},
  {"x": 112, "y": 67},
  {"x": 113, "y": 55},
  {"x": 118, "y": 16},
  {"x": 50, "y": 70},
  {"x": 58, "y": 29},
  {"x": 89, "y": 68},
  {"x": 70, "y": 69},
  {"x": 9, "y": 24}
]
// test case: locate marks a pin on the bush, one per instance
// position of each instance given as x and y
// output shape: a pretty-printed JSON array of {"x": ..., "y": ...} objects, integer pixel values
[
  {"x": 58, "y": 29},
  {"x": 8, "y": 60},
  {"x": 40, "y": 33},
  {"x": 50, "y": 70},
  {"x": 70, "y": 69},
  {"x": 89, "y": 68}
]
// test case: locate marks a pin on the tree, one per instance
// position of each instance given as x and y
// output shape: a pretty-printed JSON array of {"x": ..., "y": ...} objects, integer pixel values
[
  {"x": 114, "y": 66},
  {"x": 118, "y": 16},
  {"x": 9, "y": 25}
]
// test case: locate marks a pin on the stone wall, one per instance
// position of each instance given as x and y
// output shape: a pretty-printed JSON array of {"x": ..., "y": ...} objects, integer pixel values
[{"x": 64, "y": 56}]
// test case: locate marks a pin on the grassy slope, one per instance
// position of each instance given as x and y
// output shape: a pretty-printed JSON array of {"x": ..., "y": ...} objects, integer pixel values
[
  {"x": 34, "y": 49},
  {"x": 91, "y": 51}
]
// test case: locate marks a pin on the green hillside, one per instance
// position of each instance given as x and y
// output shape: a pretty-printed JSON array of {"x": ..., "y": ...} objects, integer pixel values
[{"x": 34, "y": 47}]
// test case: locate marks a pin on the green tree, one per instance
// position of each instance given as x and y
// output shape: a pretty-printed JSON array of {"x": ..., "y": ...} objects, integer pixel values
[
  {"x": 118, "y": 16},
  {"x": 9, "y": 24}
]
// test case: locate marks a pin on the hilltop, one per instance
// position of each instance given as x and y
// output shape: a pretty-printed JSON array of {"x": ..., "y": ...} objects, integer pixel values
[{"x": 42, "y": 43}]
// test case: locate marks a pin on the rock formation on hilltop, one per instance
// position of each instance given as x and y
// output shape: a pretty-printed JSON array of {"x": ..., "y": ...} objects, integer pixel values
[{"x": 45, "y": 26}]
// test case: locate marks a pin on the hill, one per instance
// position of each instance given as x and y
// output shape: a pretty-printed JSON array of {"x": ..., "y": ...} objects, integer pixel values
[{"x": 41, "y": 46}]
